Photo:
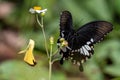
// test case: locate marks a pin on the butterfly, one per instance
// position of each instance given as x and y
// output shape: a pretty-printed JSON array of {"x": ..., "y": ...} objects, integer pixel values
[{"x": 80, "y": 43}]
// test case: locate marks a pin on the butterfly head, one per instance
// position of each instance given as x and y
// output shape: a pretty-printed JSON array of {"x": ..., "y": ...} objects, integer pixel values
[{"x": 63, "y": 42}]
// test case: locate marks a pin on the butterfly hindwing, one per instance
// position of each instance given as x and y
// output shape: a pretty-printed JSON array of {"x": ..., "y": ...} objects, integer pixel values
[{"x": 81, "y": 42}]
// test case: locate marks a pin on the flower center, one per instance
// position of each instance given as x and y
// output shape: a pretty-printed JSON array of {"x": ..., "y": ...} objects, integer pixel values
[{"x": 37, "y": 8}]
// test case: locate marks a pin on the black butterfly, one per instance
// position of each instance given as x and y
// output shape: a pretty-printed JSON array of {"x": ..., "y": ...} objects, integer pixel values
[{"x": 80, "y": 42}]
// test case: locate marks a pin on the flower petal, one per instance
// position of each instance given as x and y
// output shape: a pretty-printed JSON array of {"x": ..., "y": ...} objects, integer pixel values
[
  {"x": 31, "y": 10},
  {"x": 44, "y": 10},
  {"x": 38, "y": 11}
]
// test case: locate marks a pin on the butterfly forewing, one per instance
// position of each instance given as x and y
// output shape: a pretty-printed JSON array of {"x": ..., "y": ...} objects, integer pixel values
[
  {"x": 96, "y": 30},
  {"x": 80, "y": 43},
  {"x": 65, "y": 30},
  {"x": 65, "y": 23}
]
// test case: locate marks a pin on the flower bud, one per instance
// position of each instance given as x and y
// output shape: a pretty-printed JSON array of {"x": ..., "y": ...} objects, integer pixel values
[
  {"x": 43, "y": 14},
  {"x": 51, "y": 40}
]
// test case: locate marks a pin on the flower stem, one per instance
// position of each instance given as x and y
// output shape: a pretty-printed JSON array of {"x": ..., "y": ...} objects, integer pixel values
[
  {"x": 46, "y": 47},
  {"x": 42, "y": 27},
  {"x": 50, "y": 69},
  {"x": 49, "y": 55},
  {"x": 50, "y": 62}
]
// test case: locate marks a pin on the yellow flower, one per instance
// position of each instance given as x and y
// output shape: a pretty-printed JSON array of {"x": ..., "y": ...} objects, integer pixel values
[
  {"x": 29, "y": 58},
  {"x": 37, "y": 9}
]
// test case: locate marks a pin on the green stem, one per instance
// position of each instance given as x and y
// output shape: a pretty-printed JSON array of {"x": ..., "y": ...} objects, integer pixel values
[
  {"x": 50, "y": 62},
  {"x": 42, "y": 27},
  {"x": 50, "y": 69},
  {"x": 57, "y": 57},
  {"x": 46, "y": 47},
  {"x": 38, "y": 20}
]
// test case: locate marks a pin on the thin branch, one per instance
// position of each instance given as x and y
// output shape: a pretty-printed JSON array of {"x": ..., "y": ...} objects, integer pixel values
[{"x": 42, "y": 27}]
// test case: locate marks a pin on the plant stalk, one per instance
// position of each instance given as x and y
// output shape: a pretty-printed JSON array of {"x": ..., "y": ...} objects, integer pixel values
[
  {"x": 42, "y": 27},
  {"x": 50, "y": 62}
]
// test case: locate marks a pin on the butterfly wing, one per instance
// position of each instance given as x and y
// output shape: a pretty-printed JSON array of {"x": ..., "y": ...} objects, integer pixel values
[
  {"x": 65, "y": 24},
  {"x": 96, "y": 30},
  {"x": 89, "y": 34},
  {"x": 65, "y": 31},
  {"x": 81, "y": 42}
]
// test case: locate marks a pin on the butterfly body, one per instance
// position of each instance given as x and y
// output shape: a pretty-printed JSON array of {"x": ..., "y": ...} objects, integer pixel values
[{"x": 80, "y": 42}]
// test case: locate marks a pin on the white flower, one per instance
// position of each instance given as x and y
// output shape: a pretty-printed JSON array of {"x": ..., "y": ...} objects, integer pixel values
[{"x": 37, "y": 9}]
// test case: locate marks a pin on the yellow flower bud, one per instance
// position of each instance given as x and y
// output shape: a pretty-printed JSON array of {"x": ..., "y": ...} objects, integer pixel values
[
  {"x": 51, "y": 40},
  {"x": 43, "y": 14}
]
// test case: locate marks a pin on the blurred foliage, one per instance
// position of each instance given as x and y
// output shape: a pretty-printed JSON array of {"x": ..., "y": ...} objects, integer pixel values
[
  {"x": 104, "y": 64},
  {"x": 17, "y": 70}
]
